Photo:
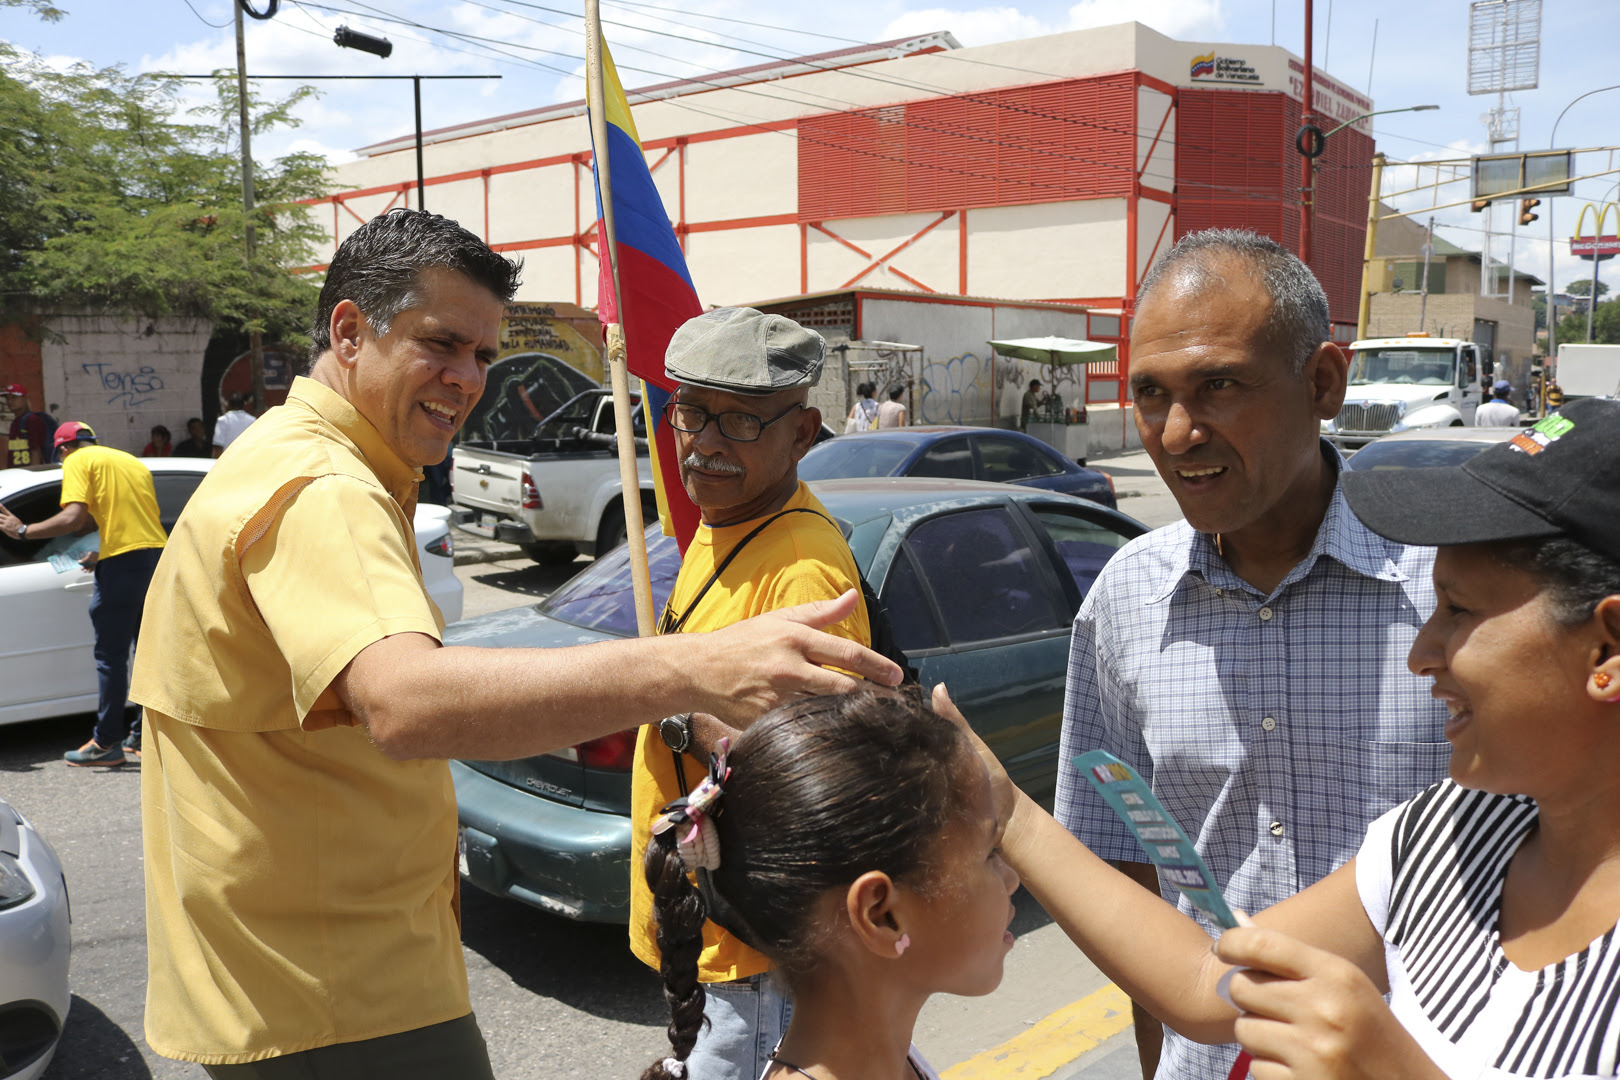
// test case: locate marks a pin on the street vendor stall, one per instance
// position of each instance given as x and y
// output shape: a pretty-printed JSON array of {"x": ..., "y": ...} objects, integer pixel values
[{"x": 1062, "y": 427}]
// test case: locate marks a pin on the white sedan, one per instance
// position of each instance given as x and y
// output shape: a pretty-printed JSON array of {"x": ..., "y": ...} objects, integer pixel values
[{"x": 46, "y": 665}]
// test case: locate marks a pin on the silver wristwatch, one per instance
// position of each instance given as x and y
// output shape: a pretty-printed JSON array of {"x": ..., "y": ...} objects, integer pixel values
[{"x": 676, "y": 731}]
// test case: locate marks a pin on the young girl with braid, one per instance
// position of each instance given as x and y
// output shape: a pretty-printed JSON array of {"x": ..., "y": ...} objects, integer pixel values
[{"x": 853, "y": 841}]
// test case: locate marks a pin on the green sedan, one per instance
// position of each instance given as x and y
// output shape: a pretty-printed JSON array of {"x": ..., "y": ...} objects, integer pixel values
[{"x": 980, "y": 581}]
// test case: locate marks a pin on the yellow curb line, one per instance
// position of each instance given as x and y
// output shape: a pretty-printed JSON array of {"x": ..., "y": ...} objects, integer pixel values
[{"x": 1053, "y": 1042}]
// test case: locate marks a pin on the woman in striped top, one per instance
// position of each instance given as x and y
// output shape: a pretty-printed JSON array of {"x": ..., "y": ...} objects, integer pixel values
[{"x": 1486, "y": 907}]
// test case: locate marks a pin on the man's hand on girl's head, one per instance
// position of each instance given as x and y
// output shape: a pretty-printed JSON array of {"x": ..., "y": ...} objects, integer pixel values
[{"x": 750, "y": 667}]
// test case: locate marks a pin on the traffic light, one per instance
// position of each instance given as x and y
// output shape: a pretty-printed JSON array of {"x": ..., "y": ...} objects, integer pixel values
[
  {"x": 1479, "y": 204},
  {"x": 1525, "y": 206}
]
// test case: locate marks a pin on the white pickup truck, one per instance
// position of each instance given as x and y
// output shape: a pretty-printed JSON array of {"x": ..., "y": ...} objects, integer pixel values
[
  {"x": 557, "y": 494},
  {"x": 1403, "y": 383}
]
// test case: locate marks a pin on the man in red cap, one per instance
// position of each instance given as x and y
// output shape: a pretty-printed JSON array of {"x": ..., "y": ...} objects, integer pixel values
[
  {"x": 28, "y": 442},
  {"x": 112, "y": 491}
]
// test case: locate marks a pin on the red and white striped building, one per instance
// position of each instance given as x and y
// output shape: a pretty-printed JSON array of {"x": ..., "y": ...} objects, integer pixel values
[{"x": 1052, "y": 168}]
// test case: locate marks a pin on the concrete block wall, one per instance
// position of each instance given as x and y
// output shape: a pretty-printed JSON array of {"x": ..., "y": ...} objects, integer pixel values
[{"x": 123, "y": 375}]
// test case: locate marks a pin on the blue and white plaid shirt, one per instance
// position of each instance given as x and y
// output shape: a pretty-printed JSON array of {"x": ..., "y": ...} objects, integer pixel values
[{"x": 1274, "y": 729}]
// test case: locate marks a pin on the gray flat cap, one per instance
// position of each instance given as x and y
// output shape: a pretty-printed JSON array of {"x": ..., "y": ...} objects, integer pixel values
[{"x": 743, "y": 351}]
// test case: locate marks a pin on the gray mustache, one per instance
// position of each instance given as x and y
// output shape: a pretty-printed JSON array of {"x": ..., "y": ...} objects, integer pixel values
[{"x": 696, "y": 460}]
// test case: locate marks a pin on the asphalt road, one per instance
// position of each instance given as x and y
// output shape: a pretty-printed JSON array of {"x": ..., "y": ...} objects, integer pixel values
[{"x": 554, "y": 998}]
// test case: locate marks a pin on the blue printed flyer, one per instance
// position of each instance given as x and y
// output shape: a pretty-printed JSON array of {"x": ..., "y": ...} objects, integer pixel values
[{"x": 1166, "y": 845}]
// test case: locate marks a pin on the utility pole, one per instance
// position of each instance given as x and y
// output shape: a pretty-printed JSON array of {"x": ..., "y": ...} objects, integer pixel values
[
  {"x": 1591, "y": 297},
  {"x": 1307, "y": 169},
  {"x": 1372, "y": 243},
  {"x": 1423, "y": 299},
  {"x": 421, "y": 184},
  {"x": 255, "y": 338}
]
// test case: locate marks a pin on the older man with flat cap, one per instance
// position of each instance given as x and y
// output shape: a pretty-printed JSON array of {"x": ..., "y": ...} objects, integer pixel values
[{"x": 742, "y": 421}]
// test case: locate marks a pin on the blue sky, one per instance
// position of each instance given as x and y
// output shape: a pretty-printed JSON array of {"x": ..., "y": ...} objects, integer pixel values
[{"x": 1420, "y": 59}]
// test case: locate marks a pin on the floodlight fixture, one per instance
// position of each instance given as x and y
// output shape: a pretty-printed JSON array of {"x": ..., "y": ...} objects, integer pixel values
[{"x": 354, "y": 39}]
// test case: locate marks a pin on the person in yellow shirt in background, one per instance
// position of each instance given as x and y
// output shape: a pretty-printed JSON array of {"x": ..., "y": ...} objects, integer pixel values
[
  {"x": 113, "y": 492},
  {"x": 742, "y": 421},
  {"x": 298, "y": 816}
]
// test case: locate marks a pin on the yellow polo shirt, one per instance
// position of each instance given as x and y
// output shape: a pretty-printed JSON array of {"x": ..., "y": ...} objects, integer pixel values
[
  {"x": 797, "y": 559},
  {"x": 300, "y": 885},
  {"x": 117, "y": 490}
]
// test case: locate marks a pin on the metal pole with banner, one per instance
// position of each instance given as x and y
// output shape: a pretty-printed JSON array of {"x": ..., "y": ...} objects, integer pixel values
[{"x": 629, "y": 480}]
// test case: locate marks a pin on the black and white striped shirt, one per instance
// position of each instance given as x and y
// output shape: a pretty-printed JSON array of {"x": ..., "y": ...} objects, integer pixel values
[{"x": 1430, "y": 875}]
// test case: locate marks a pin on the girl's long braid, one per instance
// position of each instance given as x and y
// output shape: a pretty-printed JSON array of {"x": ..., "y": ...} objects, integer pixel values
[{"x": 681, "y": 913}]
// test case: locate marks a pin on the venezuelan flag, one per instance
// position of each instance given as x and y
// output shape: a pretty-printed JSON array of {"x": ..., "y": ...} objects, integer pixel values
[{"x": 655, "y": 292}]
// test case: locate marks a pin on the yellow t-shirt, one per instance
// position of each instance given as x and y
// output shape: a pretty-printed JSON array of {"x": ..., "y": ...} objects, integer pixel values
[
  {"x": 300, "y": 885},
  {"x": 117, "y": 490},
  {"x": 795, "y": 560}
]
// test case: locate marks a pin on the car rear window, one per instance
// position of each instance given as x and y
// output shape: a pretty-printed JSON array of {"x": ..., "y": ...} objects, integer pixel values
[
  {"x": 1007, "y": 461},
  {"x": 1415, "y": 454},
  {"x": 853, "y": 457},
  {"x": 950, "y": 459},
  {"x": 1085, "y": 546},
  {"x": 600, "y": 597},
  {"x": 985, "y": 576}
]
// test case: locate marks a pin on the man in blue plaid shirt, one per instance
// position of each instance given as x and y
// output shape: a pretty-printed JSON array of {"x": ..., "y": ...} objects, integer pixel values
[{"x": 1249, "y": 661}]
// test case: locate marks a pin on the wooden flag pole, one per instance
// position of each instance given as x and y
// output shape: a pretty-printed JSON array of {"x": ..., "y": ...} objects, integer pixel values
[{"x": 629, "y": 479}]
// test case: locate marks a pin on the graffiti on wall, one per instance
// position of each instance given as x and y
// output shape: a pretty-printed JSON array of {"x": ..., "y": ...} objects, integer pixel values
[
  {"x": 548, "y": 354},
  {"x": 954, "y": 391},
  {"x": 128, "y": 389}
]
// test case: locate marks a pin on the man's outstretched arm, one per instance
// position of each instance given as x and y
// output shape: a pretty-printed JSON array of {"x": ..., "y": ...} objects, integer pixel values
[{"x": 423, "y": 700}]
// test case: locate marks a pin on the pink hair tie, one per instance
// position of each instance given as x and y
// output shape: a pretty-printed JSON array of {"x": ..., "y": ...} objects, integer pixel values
[{"x": 699, "y": 844}]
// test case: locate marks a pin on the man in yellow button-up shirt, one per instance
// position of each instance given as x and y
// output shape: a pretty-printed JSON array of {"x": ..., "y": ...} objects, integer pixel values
[{"x": 298, "y": 814}]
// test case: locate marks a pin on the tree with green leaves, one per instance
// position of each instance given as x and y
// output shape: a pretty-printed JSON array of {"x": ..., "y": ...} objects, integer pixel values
[
  {"x": 116, "y": 197},
  {"x": 1605, "y": 325}
]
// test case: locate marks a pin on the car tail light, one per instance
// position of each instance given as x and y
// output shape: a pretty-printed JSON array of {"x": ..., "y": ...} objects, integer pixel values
[
  {"x": 531, "y": 494},
  {"x": 444, "y": 545},
  {"x": 1111, "y": 490},
  {"x": 614, "y": 752}
]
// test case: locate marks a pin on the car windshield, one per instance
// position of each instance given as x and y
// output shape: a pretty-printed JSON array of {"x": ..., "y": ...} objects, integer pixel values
[
  {"x": 1415, "y": 454},
  {"x": 854, "y": 457},
  {"x": 600, "y": 597},
  {"x": 1420, "y": 367}
]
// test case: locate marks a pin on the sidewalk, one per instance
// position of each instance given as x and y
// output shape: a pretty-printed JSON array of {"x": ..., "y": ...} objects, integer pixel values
[{"x": 1141, "y": 492}]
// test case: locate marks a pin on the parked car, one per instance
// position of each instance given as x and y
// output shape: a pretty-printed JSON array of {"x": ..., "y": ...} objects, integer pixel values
[
  {"x": 995, "y": 455},
  {"x": 557, "y": 493},
  {"x": 35, "y": 940},
  {"x": 1428, "y": 448},
  {"x": 981, "y": 583},
  {"x": 46, "y": 666}
]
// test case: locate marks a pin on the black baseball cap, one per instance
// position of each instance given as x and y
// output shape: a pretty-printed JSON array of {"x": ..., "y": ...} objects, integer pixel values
[{"x": 1558, "y": 478}]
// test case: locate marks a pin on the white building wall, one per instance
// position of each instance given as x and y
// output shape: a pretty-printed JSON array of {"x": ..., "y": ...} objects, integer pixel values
[
  {"x": 1047, "y": 250},
  {"x": 1071, "y": 249},
  {"x": 736, "y": 266},
  {"x": 121, "y": 376}
]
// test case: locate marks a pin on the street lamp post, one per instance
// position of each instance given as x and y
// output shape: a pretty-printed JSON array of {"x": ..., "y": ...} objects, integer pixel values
[
  {"x": 1551, "y": 305},
  {"x": 1311, "y": 142},
  {"x": 1364, "y": 306}
]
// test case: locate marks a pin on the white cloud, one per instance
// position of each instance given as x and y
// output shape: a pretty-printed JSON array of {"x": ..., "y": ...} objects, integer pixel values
[
  {"x": 1192, "y": 20},
  {"x": 1196, "y": 20},
  {"x": 979, "y": 26}
]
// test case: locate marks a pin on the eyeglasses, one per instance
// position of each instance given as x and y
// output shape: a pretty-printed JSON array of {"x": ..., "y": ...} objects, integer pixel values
[{"x": 736, "y": 426}]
